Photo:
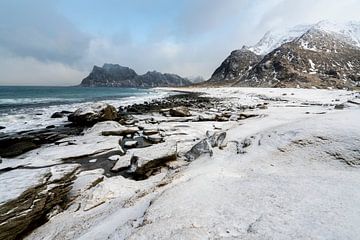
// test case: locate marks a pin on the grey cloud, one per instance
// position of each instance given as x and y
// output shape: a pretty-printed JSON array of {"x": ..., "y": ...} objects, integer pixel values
[{"x": 35, "y": 29}]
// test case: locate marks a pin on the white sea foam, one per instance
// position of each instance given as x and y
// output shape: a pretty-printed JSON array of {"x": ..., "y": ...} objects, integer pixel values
[{"x": 39, "y": 117}]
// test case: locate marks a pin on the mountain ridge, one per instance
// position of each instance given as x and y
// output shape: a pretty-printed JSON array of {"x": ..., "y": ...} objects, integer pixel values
[
  {"x": 115, "y": 75},
  {"x": 322, "y": 55}
]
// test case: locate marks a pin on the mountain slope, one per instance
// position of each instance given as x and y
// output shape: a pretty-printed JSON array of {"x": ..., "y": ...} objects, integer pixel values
[
  {"x": 114, "y": 75},
  {"x": 235, "y": 66},
  {"x": 320, "y": 55}
]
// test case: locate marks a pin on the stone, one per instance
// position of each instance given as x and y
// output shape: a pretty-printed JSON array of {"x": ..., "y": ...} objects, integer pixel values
[
  {"x": 2, "y": 127},
  {"x": 216, "y": 139},
  {"x": 180, "y": 112},
  {"x": 154, "y": 138},
  {"x": 339, "y": 106},
  {"x": 143, "y": 160},
  {"x": 114, "y": 157},
  {"x": 233, "y": 117},
  {"x": 57, "y": 115},
  {"x": 121, "y": 132},
  {"x": 91, "y": 114},
  {"x": 150, "y": 131},
  {"x": 199, "y": 149},
  {"x": 122, "y": 162},
  {"x": 130, "y": 144}
]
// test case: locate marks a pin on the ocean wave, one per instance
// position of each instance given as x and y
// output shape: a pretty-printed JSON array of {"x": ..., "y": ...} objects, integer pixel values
[{"x": 22, "y": 101}]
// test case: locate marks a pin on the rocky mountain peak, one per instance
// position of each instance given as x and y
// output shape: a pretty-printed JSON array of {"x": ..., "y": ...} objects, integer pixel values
[
  {"x": 322, "y": 55},
  {"x": 115, "y": 75},
  {"x": 235, "y": 65}
]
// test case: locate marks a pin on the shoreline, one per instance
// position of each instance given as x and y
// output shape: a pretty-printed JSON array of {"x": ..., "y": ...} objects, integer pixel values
[{"x": 218, "y": 146}]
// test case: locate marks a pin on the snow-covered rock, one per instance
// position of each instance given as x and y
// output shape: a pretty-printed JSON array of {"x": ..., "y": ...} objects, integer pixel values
[
  {"x": 27, "y": 195},
  {"x": 91, "y": 114}
]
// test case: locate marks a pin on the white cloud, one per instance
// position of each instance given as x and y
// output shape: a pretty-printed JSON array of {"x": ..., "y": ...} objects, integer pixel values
[
  {"x": 46, "y": 48},
  {"x": 29, "y": 71}
]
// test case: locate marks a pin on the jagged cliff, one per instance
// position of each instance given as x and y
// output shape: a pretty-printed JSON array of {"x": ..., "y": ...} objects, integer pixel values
[{"x": 114, "y": 75}]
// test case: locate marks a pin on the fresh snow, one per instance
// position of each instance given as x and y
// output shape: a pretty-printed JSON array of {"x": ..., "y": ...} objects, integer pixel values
[
  {"x": 296, "y": 180},
  {"x": 348, "y": 32}
]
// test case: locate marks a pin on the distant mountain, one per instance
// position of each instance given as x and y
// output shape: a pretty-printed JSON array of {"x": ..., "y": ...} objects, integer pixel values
[
  {"x": 322, "y": 55},
  {"x": 196, "y": 79},
  {"x": 114, "y": 75}
]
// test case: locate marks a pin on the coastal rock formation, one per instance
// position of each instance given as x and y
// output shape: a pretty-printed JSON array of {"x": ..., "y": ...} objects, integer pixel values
[
  {"x": 180, "y": 112},
  {"x": 322, "y": 55},
  {"x": 114, "y": 75},
  {"x": 14, "y": 144},
  {"x": 91, "y": 114},
  {"x": 36, "y": 193}
]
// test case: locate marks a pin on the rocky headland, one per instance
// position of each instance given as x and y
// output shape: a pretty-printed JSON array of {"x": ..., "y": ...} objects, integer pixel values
[{"x": 114, "y": 75}]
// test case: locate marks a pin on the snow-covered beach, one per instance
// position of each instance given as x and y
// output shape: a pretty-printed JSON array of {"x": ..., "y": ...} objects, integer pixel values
[{"x": 287, "y": 169}]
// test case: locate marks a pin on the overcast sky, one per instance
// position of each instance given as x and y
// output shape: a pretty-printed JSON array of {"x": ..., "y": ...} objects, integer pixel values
[{"x": 57, "y": 42}]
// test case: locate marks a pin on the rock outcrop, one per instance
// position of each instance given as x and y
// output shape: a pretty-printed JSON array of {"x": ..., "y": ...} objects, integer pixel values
[
  {"x": 114, "y": 75},
  {"x": 36, "y": 193},
  {"x": 235, "y": 66},
  {"x": 89, "y": 115}
]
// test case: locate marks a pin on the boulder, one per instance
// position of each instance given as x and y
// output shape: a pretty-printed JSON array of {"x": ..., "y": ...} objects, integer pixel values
[
  {"x": 197, "y": 150},
  {"x": 91, "y": 114},
  {"x": 122, "y": 163},
  {"x": 180, "y": 112},
  {"x": 216, "y": 139},
  {"x": 143, "y": 160},
  {"x": 57, "y": 115}
]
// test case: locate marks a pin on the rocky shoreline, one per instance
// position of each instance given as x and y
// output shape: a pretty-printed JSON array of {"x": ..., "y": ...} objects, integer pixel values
[{"x": 115, "y": 163}]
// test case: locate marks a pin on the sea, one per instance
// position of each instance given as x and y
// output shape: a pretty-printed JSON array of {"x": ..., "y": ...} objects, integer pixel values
[{"x": 30, "y": 107}]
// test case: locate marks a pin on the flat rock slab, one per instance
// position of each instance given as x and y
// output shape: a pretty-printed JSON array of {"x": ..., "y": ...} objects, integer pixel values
[
  {"x": 150, "y": 131},
  {"x": 122, "y": 163},
  {"x": 29, "y": 194},
  {"x": 151, "y": 157}
]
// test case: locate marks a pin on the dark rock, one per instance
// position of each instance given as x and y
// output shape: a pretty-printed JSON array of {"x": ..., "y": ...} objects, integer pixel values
[
  {"x": 30, "y": 208},
  {"x": 14, "y": 144},
  {"x": 339, "y": 106},
  {"x": 197, "y": 150},
  {"x": 92, "y": 114},
  {"x": 180, "y": 112},
  {"x": 216, "y": 139},
  {"x": 57, "y": 115},
  {"x": 2, "y": 127}
]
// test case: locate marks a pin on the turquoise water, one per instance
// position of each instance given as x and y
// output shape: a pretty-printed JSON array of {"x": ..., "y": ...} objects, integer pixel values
[
  {"x": 15, "y": 97},
  {"x": 24, "y": 107}
]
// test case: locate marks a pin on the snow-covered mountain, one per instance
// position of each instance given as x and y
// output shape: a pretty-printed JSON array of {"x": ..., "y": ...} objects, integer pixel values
[
  {"x": 325, "y": 54},
  {"x": 346, "y": 31}
]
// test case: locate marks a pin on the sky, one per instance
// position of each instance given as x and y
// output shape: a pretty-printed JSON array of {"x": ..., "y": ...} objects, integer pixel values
[{"x": 57, "y": 42}]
